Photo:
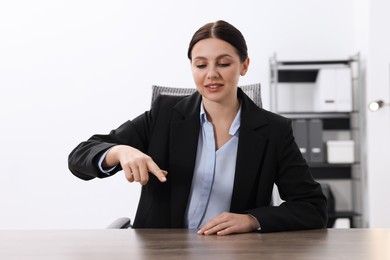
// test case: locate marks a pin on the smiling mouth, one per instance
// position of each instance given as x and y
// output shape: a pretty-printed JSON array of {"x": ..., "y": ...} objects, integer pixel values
[{"x": 213, "y": 86}]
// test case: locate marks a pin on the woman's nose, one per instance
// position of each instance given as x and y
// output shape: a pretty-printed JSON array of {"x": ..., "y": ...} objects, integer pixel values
[{"x": 212, "y": 73}]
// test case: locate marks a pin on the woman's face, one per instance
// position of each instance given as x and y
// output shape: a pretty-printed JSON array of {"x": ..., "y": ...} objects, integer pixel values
[{"x": 216, "y": 69}]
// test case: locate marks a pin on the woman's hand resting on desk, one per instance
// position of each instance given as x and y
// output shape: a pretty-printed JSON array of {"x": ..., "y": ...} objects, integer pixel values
[
  {"x": 135, "y": 164},
  {"x": 230, "y": 223}
]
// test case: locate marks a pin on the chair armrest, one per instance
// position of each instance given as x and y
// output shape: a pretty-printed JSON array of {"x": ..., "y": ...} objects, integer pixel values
[{"x": 120, "y": 223}]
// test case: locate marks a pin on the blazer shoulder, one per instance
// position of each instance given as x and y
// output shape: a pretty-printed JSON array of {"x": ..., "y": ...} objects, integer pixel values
[
  {"x": 187, "y": 105},
  {"x": 259, "y": 116},
  {"x": 166, "y": 101},
  {"x": 275, "y": 118}
]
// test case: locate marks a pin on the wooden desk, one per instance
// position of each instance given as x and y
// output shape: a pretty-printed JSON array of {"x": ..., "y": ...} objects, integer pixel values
[{"x": 350, "y": 244}]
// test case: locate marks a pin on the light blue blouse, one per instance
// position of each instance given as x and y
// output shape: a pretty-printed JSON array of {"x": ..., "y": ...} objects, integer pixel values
[{"x": 213, "y": 179}]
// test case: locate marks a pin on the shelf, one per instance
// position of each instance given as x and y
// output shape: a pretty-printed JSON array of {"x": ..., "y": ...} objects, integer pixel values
[
  {"x": 331, "y": 121},
  {"x": 310, "y": 65},
  {"x": 308, "y": 115},
  {"x": 343, "y": 214},
  {"x": 331, "y": 171},
  {"x": 331, "y": 165},
  {"x": 321, "y": 62},
  {"x": 333, "y": 216}
]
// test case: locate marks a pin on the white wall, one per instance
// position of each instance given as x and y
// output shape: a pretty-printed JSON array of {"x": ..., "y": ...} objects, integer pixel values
[
  {"x": 69, "y": 69},
  {"x": 378, "y": 123}
]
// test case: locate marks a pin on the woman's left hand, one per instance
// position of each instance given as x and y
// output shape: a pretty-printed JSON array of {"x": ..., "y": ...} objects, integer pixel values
[{"x": 230, "y": 223}]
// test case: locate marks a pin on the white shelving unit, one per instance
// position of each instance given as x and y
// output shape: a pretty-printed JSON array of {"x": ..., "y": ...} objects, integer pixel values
[{"x": 323, "y": 99}]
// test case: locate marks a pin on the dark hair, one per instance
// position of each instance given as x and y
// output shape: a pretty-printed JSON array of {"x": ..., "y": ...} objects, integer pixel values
[{"x": 224, "y": 31}]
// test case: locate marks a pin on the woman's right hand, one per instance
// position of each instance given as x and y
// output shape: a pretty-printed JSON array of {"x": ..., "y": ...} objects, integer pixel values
[{"x": 135, "y": 164}]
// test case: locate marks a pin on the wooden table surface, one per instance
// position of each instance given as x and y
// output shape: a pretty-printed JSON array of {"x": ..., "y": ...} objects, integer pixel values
[{"x": 350, "y": 244}]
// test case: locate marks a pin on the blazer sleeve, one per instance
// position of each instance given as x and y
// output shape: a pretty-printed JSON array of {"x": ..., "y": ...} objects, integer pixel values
[
  {"x": 83, "y": 160},
  {"x": 305, "y": 205}
]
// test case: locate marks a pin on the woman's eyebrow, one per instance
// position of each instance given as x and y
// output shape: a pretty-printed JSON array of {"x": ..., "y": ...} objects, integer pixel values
[{"x": 218, "y": 57}]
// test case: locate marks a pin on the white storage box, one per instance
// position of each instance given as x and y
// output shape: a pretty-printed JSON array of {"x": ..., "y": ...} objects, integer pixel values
[{"x": 340, "y": 151}]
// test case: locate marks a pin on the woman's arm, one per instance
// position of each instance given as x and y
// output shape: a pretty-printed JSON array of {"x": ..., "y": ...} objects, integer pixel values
[{"x": 134, "y": 163}]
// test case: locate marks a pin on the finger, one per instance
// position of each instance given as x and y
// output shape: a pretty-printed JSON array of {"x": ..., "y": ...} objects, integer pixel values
[
  {"x": 130, "y": 177},
  {"x": 227, "y": 231},
  {"x": 212, "y": 223},
  {"x": 217, "y": 229},
  {"x": 144, "y": 174},
  {"x": 136, "y": 173},
  {"x": 240, "y": 224},
  {"x": 213, "y": 226},
  {"x": 128, "y": 173},
  {"x": 206, "y": 227},
  {"x": 156, "y": 171}
]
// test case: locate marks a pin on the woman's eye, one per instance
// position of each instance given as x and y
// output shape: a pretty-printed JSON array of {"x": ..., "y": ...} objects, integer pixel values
[
  {"x": 224, "y": 64},
  {"x": 201, "y": 66}
]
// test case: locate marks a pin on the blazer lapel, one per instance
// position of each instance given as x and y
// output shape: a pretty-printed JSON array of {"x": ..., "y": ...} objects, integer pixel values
[
  {"x": 250, "y": 152},
  {"x": 184, "y": 133}
]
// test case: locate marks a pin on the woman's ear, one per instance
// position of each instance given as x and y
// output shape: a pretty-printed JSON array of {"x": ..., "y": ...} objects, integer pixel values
[{"x": 244, "y": 67}]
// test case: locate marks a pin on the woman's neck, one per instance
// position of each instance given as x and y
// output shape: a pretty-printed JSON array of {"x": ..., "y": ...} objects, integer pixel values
[{"x": 217, "y": 112}]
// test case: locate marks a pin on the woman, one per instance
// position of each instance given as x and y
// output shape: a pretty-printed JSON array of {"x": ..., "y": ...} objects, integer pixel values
[{"x": 223, "y": 153}]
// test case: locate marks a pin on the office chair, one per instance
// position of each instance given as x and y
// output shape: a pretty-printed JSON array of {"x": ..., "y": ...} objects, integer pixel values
[
  {"x": 333, "y": 215},
  {"x": 120, "y": 223},
  {"x": 253, "y": 91},
  {"x": 331, "y": 206}
]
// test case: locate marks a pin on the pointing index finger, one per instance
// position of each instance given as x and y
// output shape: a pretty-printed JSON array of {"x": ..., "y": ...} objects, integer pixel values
[{"x": 156, "y": 171}]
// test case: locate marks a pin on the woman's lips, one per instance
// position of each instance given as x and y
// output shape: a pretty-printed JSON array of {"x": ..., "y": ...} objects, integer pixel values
[{"x": 213, "y": 86}]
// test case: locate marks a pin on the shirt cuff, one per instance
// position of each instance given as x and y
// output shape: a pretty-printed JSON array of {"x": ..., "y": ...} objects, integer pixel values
[
  {"x": 259, "y": 228},
  {"x": 100, "y": 164}
]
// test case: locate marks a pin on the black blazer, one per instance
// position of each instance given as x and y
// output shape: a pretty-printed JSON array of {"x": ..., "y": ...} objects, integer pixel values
[{"x": 267, "y": 154}]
